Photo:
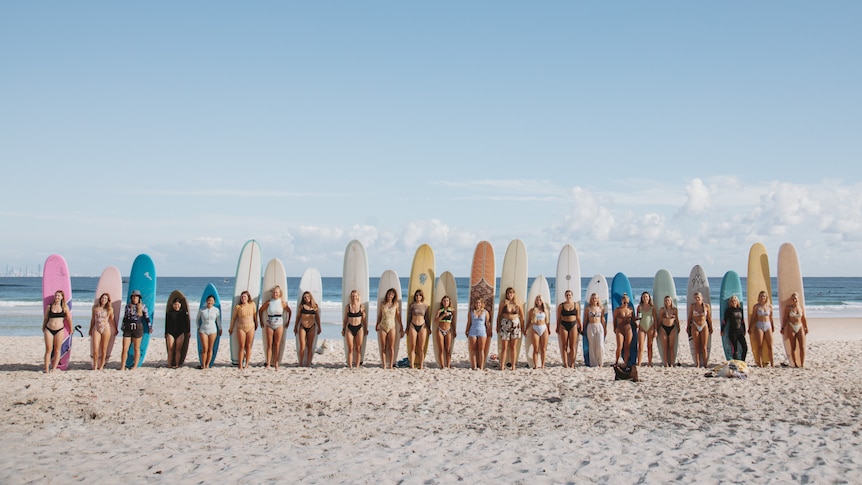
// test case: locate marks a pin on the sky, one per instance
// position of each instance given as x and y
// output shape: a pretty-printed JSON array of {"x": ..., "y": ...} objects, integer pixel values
[{"x": 648, "y": 135}]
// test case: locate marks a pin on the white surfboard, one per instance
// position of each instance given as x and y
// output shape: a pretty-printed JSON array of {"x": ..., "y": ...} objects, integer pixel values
[
  {"x": 312, "y": 283},
  {"x": 568, "y": 278},
  {"x": 697, "y": 282},
  {"x": 274, "y": 275},
  {"x": 388, "y": 280},
  {"x": 355, "y": 277},
  {"x": 539, "y": 287},
  {"x": 513, "y": 275},
  {"x": 247, "y": 279},
  {"x": 446, "y": 286},
  {"x": 599, "y": 285}
]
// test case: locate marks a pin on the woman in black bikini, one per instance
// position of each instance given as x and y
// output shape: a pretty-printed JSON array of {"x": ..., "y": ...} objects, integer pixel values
[
  {"x": 56, "y": 315},
  {"x": 568, "y": 329},
  {"x": 445, "y": 333},
  {"x": 354, "y": 329},
  {"x": 699, "y": 321},
  {"x": 668, "y": 318},
  {"x": 307, "y": 327},
  {"x": 417, "y": 330}
]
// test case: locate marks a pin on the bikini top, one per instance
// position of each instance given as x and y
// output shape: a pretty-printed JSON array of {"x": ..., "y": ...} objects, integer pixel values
[
  {"x": 52, "y": 314},
  {"x": 593, "y": 314},
  {"x": 696, "y": 313},
  {"x": 569, "y": 313},
  {"x": 794, "y": 314},
  {"x": 351, "y": 314},
  {"x": 306, "y": 311},
  {"x": 445, "y": 314},
  {"x": 762, "y": 312},
  {"x": 540, "y": 316}
]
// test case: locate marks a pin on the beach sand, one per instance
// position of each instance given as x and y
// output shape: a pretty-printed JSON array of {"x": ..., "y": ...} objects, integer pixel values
[{"x": 329, "y": 424}]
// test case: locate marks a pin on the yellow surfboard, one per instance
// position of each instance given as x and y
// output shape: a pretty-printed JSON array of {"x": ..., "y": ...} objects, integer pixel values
[
  {"x": 422, "y": 276},
  {"x": 758, "y": 280}
]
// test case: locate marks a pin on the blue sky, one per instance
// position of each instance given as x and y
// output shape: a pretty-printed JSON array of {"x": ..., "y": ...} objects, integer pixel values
[{"x": 647, "y": 134}]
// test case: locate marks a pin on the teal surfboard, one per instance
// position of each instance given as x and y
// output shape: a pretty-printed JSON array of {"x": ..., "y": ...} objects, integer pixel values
[
  {"x": 730, "y": 285},
  {"x": 143, "y": 279},
  {"x": 621, "y": 285},
  {"x": 210, "y": 290}
]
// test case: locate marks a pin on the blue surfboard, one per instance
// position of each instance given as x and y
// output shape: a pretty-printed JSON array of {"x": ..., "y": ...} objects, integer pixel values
[
  {"x": 143, "y": 279},
  {"x": 730, "y": 285},
  {"x": 621, "y": 285},
  {"x": 210, "y": 290}
]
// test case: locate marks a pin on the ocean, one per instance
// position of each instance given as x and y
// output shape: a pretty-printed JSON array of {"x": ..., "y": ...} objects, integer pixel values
[{"x": 21, "y": 310}]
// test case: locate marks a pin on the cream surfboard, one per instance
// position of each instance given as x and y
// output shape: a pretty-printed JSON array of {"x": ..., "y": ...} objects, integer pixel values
[
  {"x": 445, "y": 287},
  {"x": 274, "y": 275},
  {"x": 758, "y": 280},
  {"x": 111, "y": 282},
  {"x": 247, "y": 279},
  {"x": 539, "y": 287},
  {"x": 355, "y": 277},
  {"x": 513, "y": 275},
  {"x": 55, "y": 277},
  {"x": 789, "y": 282},
  {"x": 422, "y": 276},
  {"x": 698, "y": 283},
  {"x": 184, "y": 311},
  {"x": 389, "y": 280},
  {"x": 662, "y": 286},
  {"x": 312, "y": 283},
  {"x": 568, "y": 278},
  {"x": 483, "y": 282},
  {"x": 599, "y": 285}
]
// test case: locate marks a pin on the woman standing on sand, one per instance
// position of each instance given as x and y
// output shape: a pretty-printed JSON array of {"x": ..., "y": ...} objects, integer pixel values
[
  {"x": 623, "y": 317},
  {"x": 699, "y": 328},
  {"x": 209, "y": 326},
  {"x": 794, "y": 325},
  {"x": 417, "y": 330},
  {"x": 597, "y": 329},
  {"x": 389, "y": 327},
  {"x": 276, "y": 313},
  {"x": 510, "y": 327},
  {"x": 244, "y": 322},
  {"x": 354, "y": 329},
  {"x": 307, "y": 327},
  {"x": 668, "y": 318},
  {"x": 539, "y": 320},
  {"x": 134, "y": 319},
  {"x": 445, "y": 334},
  {"x": 100, "y": 330},
  {"x": 568, "y": 328},
  {"x": 478, "y": 331},
  {"x": 646, "y": 318},
  {"x": 733, "y": 324},
  {"x": 52, "y": 328},
  {"x": 761, "y": 331},
  {"x": 177, "y": 325}
]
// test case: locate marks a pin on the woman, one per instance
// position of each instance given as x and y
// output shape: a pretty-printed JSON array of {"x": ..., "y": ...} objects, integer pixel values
[
  {"x": 134, "y": 319},
  {"x": 596, "y": 329},
  {"x": 273, "y": 312},
  {"x": 52, "y": 328},
  {"x": 209, "y": 326},
  {"x": 538, "y": 318},
  {"x": 510, "y": 327},
  {"x": 100, "y": 330},
  {"x": 417, "y": 330},
  {"x": 354, "y": 329},
  {"x": 699, "y": 328},
  {"x": 389, "y": 327},
  {"x": 623, "y": 316},
  {"x": 307, "y": 327},
  {"x": 568, "y": 329},
  {"x": 177, "y": 325},
  {"x": 733, "y": 324},
  {"x": 792, "y": 322},
  {"x": 646, "y": 318},
  {"x": 761, "y": 331},
  {"x": 668, "y": 317},
  {"x": 445, "y": 333},
  {"x": 244, "y": 322},
  {"x": 478, "y": 331}
]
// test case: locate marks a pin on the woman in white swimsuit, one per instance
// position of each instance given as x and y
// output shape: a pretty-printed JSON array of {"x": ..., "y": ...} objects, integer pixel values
[
  {"x": 699, "y": 321},
  {"x": 539, "y": 320},
  {"x": 762, "y": 329},
  {"x": 794, "y": 326},
  {"x": 275, "y": 314}
]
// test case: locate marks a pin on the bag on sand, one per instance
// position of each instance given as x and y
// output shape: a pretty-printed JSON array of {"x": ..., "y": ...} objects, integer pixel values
[{"x": 625, "y": 372}]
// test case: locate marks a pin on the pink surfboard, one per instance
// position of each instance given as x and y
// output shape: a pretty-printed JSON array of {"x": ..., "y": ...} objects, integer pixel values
[{"x": 55, "y": 276}]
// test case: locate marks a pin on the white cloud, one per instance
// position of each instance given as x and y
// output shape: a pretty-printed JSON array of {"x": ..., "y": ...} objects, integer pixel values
[{"x": 697, "y": 197}]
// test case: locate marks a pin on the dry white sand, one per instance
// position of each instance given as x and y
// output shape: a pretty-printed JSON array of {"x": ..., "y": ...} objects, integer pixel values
[{"x": 332, "y": 425}]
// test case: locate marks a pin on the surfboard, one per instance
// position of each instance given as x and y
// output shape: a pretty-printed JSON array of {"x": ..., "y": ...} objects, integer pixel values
[
  {"x": 313, "y": 283},
  {"x": 538, "y": 287},
  {"x": 662, "y": 286},
  {"x": 184, "y": 307},
  {"x": 111, "y": 282},
  {"x": 483, "y": 281},
  {"x": 568, "y": 278},
  {"x": 274, "y": 274},
  {"x": 599, "y": 285},
  {"x": 247, "y": 279},
  {"x": 513, "y": 275},
  {"x": 698, "y": 282},
  {"x": 422, "y": 276},
  {"x": 731, "y": 285},
  {"x": 621, "y": 285},
  {"x": 55, "y": 276},
  {"x": 446, "y": 286},
  {"x": 143, "y": 279},
  {"x": 355, "y": 277},
  {"x": 758, "y": 280},
  {"x": 210, "y": 290},
  {"x": 789, "y": 282}
]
